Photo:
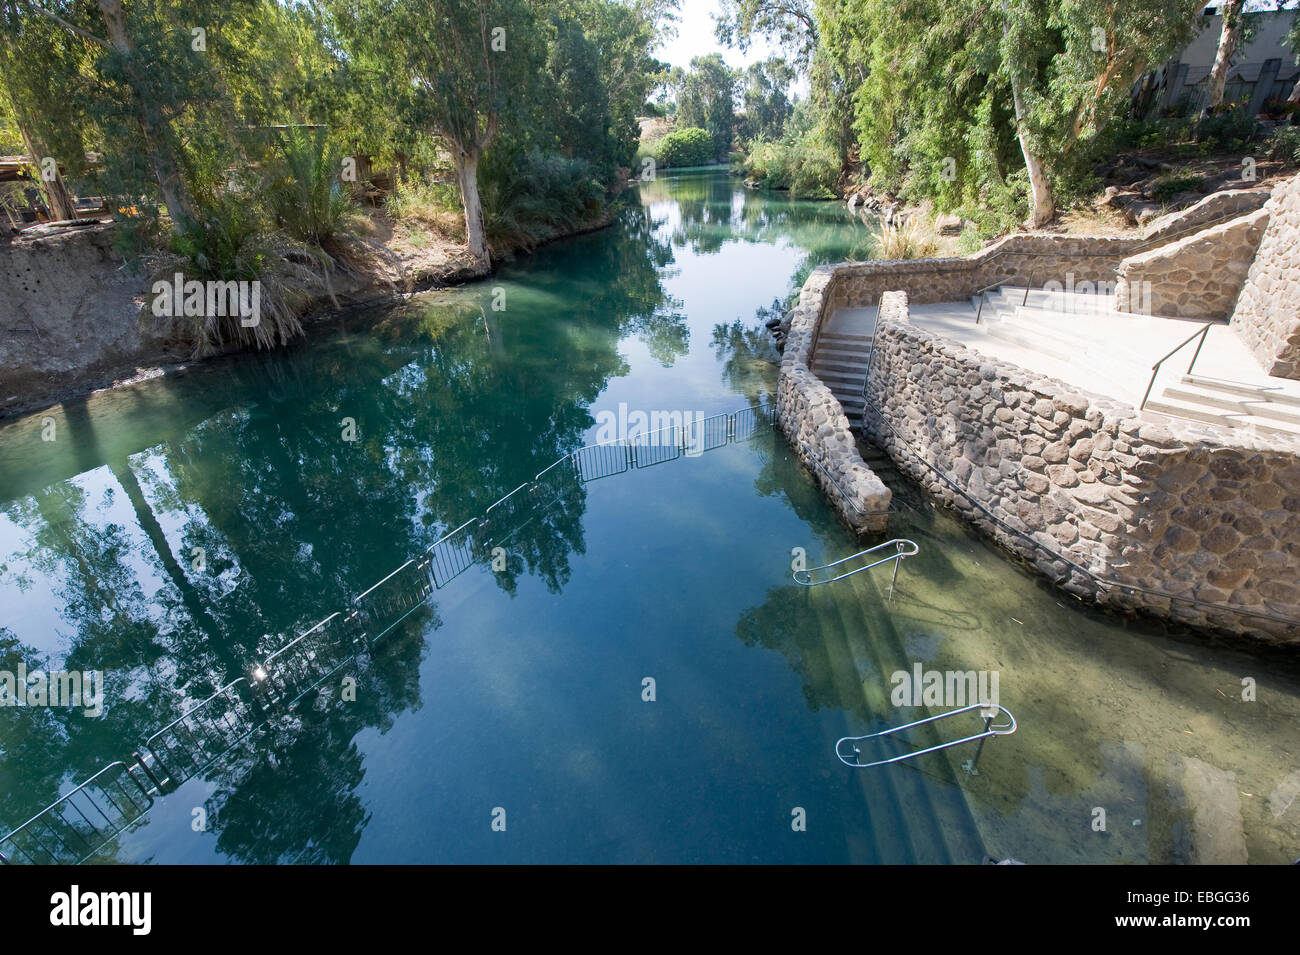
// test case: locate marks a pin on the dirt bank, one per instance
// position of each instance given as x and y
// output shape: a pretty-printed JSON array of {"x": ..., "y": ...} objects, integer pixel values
[{"x": 71, "y": 305}]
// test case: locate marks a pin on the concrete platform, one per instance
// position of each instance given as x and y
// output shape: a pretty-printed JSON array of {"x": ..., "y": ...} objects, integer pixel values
[{"x": 1087, "y": 344}]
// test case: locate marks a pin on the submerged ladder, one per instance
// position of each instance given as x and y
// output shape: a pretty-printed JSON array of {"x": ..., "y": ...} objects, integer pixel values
[
  {"x": 902, "y": 548},
  {"x": 988, "y": 711}
]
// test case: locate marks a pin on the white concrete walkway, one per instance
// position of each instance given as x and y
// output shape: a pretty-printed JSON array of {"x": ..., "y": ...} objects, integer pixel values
[{"x": 1082, "y": 341}]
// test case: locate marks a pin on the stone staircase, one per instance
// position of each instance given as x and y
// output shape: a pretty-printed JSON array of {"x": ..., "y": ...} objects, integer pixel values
[
  {"x": 840, "y": 361},
  {"x": 1080, "y": 329},
  {"x": 1230, "y": 404}
]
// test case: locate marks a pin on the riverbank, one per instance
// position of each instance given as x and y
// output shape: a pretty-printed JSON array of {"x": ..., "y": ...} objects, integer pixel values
[{"x": 76, "y": 308}]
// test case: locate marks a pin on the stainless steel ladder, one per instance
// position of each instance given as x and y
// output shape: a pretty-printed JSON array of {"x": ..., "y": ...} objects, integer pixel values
[
  {"x": 988, "y": 711},
  {"x": 902, "y": 548}
]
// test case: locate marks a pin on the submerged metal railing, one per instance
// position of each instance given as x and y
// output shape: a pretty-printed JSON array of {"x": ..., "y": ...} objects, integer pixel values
[
  {"x": 199, "y": 737},
  {"x": 79, "y": 824},
  {"x": 988, "y": 711},
  {"x": 82, "y": 821},
  {"x": 903, "y": 548}
]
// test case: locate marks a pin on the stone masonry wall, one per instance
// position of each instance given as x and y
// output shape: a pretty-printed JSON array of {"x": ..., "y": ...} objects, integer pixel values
[
  {"x": 1229, "y": 202},
  {"x": 813, "y": 421},
  {"x": 1267, "y": 316},
  {"x": 1018, "y": 259},
  {"x": 1198, "y": 276},
  {"x": 1166, "y": 508}
]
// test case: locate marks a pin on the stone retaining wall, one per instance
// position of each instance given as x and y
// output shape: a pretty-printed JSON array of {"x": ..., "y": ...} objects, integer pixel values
[
  {"x": 1162, "y": 507},
  {"x": 1199, "y": 276},
  {"x": 1019, "y": 259},
  {"x": 813, "y": 421},
  {"x": 1267, "y": 316},
  {"x": 1230, "y": 202}
]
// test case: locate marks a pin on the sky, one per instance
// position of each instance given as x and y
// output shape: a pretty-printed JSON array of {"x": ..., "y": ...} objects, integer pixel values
[{"x": 695, "y": 37}]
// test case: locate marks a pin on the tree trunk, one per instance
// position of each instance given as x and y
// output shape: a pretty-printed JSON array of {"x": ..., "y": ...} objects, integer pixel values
[
  {"x": 1233, "y": 22},
  {"x": 156, "y": 137},
  {"x": 56, "y": 192},
  {"x": 1044, "y": 205},
  {"x": 1295, "y": 93},
  {"x": 148, "y": 523},
  {"x": 467, "y": 178}
]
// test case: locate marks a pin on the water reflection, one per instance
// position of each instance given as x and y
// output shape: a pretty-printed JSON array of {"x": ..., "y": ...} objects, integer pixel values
[{"x": 162, "y": 552}]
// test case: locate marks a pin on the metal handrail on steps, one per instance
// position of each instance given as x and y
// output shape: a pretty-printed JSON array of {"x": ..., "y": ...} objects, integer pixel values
[
  {"x": 1155, "y": 369},
  {"x": 988, "y": 711},
  {"x": 902, "y": 548},
  {"x": 1144, "y": 246}
]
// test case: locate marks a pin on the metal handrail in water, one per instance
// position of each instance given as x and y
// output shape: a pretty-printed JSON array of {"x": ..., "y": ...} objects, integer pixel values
[
  {"x": 197, "y": 738},
  {"x": 987, "y": 710},
  {"x": 60, "y": 829},
  {"x": 903, "y": 548},
  {"x": 1155, "y": 369}
]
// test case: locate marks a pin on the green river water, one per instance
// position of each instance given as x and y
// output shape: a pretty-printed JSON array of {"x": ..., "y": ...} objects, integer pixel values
[{"x": 522, "y": 690}]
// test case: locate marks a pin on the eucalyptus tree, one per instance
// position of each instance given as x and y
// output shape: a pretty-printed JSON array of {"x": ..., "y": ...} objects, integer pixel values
[
  {"x": 765, "y": 98},
  {"x": 1072, "y": 66},
  {"x": 458, "y": 68},
  {"x": 41, "y": 70},
  {"x": 948, "y": 86},
  {"x": 1229, "y": 39},
  {"x": 706, "y": 97},
  {"x": 790, "y": 24}
]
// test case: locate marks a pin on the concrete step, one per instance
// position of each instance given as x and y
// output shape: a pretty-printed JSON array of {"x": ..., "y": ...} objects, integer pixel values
[
  {"x": 1241, "y": 389},
  {"x": 1029, "y": 338},
  {"x": 851, "y": 384},
  {"x": 833, "y": 378},
  {"x": 1289, "y": 414},
  {"x": 1071, "y": 302},
  {"x": 841, "y": 338},
  {"x": 843, "y": 354},
  {"x": 851, "y": 367},
  {"x": 1180, "y": 408}
]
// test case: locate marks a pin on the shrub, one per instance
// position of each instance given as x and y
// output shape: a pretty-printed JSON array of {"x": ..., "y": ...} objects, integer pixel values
[
  {"x": 1228, "y": 130},
  {"x": 1166, "y": 187},
  {"x": 232, "y": 244},
  {"x": 806, "y": 166},
  {"x": 1285, "y": 144},
  {"x": 531, "y": 197},
  {"x": 691, "y": 146},
  {"x": 304, "y": 193}
]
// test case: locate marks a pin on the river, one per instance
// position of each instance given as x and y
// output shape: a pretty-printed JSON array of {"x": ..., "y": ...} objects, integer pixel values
[{"x": 638, "y": 680}]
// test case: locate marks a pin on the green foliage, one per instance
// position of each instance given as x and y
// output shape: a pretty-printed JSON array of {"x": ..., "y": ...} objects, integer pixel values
[
  {"x": 1285, "y": 144},
  {"x": 929, "y": 88},
  {"x": 303, "y": 190},
  {"x": 803, "y": 161},
  {"x": 231, "y": 243},
  {"x": 1226, "y": 131},
  {"x": 531, "y": 197},
  {"x": 1166, "y": 187},
  {"x": 791, "y": 24},
  {"x": 706, "y": 96},
  {"x": 808, "y": 168},
  {"x": 767, "y": 107},
  {"x": 685, "y": 147}
]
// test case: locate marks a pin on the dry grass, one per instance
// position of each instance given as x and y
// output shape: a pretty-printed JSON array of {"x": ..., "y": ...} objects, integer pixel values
[
  {"x": 916, "y": 239},
  {"x": 436, "y": 206}
]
